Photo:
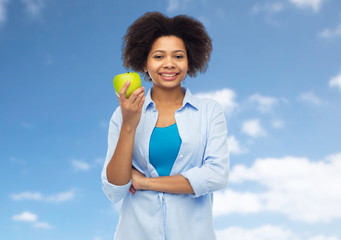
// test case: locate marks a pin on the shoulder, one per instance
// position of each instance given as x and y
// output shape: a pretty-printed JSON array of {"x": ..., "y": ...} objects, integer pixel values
[
  {"x": 207, "y": 105},
  {"x": 207, "y": 102},
  {"x": 201, "y": 101}
]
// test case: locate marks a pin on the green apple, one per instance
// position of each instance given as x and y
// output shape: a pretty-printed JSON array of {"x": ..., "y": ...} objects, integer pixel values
[{"x": 121, "y": 79}]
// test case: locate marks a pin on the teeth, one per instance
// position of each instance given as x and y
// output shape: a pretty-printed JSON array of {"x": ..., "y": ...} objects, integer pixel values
[{"x": 168, "y": 75}]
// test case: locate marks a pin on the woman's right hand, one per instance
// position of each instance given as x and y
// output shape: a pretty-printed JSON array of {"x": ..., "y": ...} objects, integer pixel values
[{"x": 131, "y": 107}]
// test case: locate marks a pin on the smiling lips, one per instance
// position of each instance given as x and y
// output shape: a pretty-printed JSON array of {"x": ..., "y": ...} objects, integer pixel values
[{"x": 169, "y": 76}]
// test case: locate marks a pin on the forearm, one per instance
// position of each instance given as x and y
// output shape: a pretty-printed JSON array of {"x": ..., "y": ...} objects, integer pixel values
[
  {"x": 119, "y": 168},
  {"x": 177, "y": 184}
]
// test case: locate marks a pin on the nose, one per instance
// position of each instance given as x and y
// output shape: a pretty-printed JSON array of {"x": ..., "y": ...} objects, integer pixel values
[{"x": 169, "y": 63}]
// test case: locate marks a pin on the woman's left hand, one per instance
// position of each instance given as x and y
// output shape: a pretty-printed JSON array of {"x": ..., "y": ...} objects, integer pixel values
[{"x": 137, "y": 181}]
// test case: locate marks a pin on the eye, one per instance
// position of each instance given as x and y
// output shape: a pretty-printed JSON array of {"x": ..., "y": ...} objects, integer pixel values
[
  {"x": 179, "y": 56},
  {"x": 158, "y": 57}
]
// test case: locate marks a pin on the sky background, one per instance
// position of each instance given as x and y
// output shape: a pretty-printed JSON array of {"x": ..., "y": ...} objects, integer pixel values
[{"x": 275, "y": 68}]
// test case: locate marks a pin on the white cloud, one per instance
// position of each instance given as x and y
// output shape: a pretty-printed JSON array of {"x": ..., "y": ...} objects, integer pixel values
[
  {"x": 80, "y": 165},
  {"x": 176, "y": 5},
  {"x": 173, "y": 5},
  {"x": 266, "y": 232},
  {"x": 226, "y": 97},
  {"x": 272, "y": 7},
  {"x": 310, "y": 97},
  {"x": 26, "y": 217},
  {"x": 31, "y": 217},
  {"x": 221, "y": 14},
  {"x": 103, "y": 124},
  {"x": 3, "y": 11},
  {"x": 16, "y": 160},
  {"x": 98, "y": 162},
  {"x": 277, "y": 124},
  {"x": 330, "y": 33},
  {"x": 205, "y": 20},
  {"x": 264, "y": 103},
  {"x": 26, "y": 125},
  {"x": 335, "y": 82},
  {"x": 321, "y": 237},
  {"x": 234, "y": 146},
  {"x": 229, "y": 201},
  {"x": 37, "y": 196},
  {"x": 288, "y": 182},
  {"x": 42, "y": 225},
  {"x": 34, "y": 7},
  {"x": 61, "y": 197},
  {"x": 315, "y": 5},
  {"x": 27, "y": 196},
  {"x": 269, "y": 7},
  {"x": 253, "y": 128}
]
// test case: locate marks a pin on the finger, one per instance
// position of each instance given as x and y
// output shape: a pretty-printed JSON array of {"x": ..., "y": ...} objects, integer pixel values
[
  {"x": 139, "y": 90},
  {"x": 123, "y": 90},
  {"x": 136, "y": 93},
  {"x": 132, "y": 190},
  {"x": 139, "y": 101},
  {"x": 142, "y": 102},
  {"x": 139, "y": 97}
]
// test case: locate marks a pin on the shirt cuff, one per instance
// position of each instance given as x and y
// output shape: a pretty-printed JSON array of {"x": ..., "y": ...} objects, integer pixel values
[
  {"x": 114, "y": 192},
  {"x": 197, "y": 181}
]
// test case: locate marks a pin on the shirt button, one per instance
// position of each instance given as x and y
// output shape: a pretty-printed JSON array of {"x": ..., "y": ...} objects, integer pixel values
[{"x": 181, "y": 155}]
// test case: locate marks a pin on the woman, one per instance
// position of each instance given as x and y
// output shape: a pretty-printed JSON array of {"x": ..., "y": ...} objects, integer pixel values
[{"x": 167, "y": 151}]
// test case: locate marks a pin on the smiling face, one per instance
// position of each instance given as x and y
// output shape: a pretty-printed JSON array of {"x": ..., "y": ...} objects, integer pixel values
[{"x": 167, "y": 62}]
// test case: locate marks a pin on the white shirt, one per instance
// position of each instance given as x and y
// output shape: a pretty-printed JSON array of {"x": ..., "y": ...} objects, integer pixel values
[{"x": 203, "y": 159}]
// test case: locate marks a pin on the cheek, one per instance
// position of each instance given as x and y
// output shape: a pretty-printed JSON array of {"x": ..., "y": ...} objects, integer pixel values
[
  {"x": 185, "y": 67},
  {"x": 152, "y": 66},
  {"x": 149, "y": 65},
  {"x": 152, "y": 70}
]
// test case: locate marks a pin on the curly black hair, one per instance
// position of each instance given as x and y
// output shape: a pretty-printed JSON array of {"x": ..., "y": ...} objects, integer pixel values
[{"x": 141, "y": 35}]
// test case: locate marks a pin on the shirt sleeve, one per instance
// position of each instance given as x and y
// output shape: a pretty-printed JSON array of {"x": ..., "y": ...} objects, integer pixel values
[
  {"x": 114, "y": 192},
  {"x": 213, "y": 174}
]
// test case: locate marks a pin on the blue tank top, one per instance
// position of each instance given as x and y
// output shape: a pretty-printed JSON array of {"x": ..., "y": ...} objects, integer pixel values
[{"x": 164, "y": 147}]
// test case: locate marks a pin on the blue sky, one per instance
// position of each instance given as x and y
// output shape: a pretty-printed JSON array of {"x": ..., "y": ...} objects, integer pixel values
[{"x": 275, "y": 68}]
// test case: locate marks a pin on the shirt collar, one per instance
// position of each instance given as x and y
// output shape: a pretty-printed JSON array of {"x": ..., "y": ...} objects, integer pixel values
[{"x": 189, "y": 99}]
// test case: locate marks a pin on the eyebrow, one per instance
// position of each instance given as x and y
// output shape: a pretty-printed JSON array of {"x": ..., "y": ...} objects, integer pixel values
[{"x": 162, "y": 51}]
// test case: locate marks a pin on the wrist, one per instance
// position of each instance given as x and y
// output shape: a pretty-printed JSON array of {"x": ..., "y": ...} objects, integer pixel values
[
  {"x": 127, "y": 128},
  {"x": 146, "y": 183}
]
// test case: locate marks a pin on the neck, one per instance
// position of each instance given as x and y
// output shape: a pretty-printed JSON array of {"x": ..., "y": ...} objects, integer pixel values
[{"x": 163, "y": 96}]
